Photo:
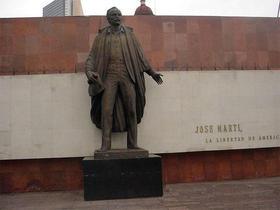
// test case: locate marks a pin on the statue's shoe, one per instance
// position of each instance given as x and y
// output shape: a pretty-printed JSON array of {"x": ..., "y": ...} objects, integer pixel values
[{"x": 104, "y": 149}]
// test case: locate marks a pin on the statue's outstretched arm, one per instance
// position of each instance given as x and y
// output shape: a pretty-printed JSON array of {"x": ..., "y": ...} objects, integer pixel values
[{"x": 156, "y": 76}]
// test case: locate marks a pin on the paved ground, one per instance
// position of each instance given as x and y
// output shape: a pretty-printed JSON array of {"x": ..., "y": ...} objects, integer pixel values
[{"x": 244, "y": 194}]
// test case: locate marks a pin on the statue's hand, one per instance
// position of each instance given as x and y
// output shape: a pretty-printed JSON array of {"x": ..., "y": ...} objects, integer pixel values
[
  {"x": 93, "y": 76},
  {"x": 157, "y": 78}
]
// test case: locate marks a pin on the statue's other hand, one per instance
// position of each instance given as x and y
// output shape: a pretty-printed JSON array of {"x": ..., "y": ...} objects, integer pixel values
[{"x": 157, "y": 78}]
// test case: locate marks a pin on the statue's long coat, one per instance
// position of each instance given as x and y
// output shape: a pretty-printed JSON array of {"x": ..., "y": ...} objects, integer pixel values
[{"x": 136, "y": 64}]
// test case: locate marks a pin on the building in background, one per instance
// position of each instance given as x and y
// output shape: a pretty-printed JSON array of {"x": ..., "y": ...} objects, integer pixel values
[
  {"x": 143, "y": 9},
  {"x": 63, "y": 8}
]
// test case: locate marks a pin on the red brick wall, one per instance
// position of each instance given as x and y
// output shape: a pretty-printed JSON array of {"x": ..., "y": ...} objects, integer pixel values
[
  {"x": 61, "y": 44},
  {"x": 221, "y": 165},
  {"x": 40, "y": 175},
  {"x": 66, "y": 173}
]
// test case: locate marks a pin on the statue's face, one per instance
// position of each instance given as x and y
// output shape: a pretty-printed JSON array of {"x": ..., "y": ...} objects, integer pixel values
[{"x": 115, "y": 17}]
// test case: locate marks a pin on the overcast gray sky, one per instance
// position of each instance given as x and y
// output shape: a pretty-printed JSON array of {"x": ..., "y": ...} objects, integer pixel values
[{"x": 257, "y": 8}]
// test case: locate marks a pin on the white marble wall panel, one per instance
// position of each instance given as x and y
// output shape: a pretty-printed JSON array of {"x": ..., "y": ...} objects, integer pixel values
[{"x": 47, "y": 116}]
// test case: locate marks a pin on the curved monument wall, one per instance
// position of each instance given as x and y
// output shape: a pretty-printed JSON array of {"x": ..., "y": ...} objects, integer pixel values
[{"x": 61, "y": 45}]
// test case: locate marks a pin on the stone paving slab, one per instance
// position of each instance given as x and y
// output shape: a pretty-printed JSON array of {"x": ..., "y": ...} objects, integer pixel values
[{"x": 244, "y": 194}]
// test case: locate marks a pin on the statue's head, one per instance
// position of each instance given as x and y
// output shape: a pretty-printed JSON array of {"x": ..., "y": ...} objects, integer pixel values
[{"x": 114, "y": 16}]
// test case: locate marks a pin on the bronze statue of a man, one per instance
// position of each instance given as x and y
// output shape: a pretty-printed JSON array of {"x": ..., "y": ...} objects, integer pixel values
[{"x": 115, "y": 71}]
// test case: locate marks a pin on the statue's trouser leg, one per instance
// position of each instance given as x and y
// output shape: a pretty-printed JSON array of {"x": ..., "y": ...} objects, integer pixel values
[
  {"x": 107, "y": 103},
  {"x": 127, "y": 90}
]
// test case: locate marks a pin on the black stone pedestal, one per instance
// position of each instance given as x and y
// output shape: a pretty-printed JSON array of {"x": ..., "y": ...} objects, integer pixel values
[{"x": 122, "y": 178}]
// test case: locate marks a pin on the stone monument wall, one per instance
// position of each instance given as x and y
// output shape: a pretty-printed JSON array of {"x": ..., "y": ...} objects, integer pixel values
[{"x": 61, "y": 45}]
